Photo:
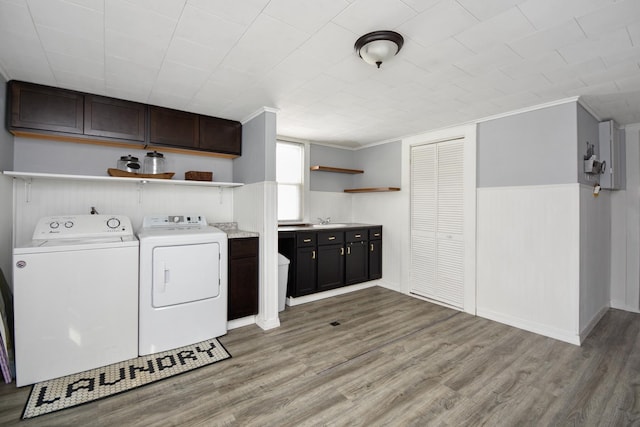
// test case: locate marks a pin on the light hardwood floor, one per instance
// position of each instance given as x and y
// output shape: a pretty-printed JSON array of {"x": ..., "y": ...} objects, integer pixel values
[{"x": 393, "y": 360}]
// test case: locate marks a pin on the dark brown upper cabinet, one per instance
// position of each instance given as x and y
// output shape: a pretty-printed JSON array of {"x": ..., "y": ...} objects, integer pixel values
[
  {"x": 220, "y": 135},
  {"x": 173, "y": 127},
  {"x": 47, "y": 112},
  {"x": 114, "y": 118},
  {"x": 44, "y": 108},
  {"x": 188, "y": 130}
]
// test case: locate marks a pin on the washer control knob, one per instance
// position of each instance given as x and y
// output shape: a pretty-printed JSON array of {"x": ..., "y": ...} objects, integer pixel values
[
  {"x": 54, "y": 224},
  {"x": 68, "y": 224},
  {"x": 176, "y": 219},
  {"x": 113, "y": 222}
]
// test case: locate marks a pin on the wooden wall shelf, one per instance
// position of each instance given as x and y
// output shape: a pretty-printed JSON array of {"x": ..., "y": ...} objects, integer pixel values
[
  {"x": 338, "y": 170},
  {"x": 371, "y": 190}
]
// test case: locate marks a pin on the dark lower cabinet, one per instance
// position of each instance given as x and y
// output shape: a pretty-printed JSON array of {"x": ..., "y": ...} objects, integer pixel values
[
  {"x": 243, "y": 276},
  {"x": 324, "y": 260},
  {"x": 305, "y": 269},
  {"x": 375, "y": 259},
  {"x": 330, "y": 266},
  {"x": 357, "y": 263},
  {"x": 45, "y": 108}
]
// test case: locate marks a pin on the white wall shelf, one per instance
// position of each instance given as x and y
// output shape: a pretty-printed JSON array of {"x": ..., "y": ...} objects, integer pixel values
[{"x": 28, "y": 176}]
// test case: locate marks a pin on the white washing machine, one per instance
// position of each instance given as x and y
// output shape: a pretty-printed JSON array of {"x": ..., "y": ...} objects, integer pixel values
[
  {"x": 183, "y": 282},
  {"x": 75, "y": 296}
]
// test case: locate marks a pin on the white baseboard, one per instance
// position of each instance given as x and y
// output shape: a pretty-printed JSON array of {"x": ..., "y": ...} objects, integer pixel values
[
  {"x": 239, "y": 323},
  {"x": 593, "y": 322},
  {"x": 547, "y": 331},
  {"x": 267, "y": 324},
  {"x": 621, "y": 305},
  {"x": 291, "y": 301}
]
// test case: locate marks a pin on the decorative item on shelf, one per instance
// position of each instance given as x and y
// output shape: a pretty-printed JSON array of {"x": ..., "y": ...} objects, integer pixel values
[
  {"x": 124, "y": 174},
  {"x": 379, "y": 46},
  {"x": 198, "y": 176},
  {"x": 154, "y": 163},
  {"x": 129, "y": 163}
]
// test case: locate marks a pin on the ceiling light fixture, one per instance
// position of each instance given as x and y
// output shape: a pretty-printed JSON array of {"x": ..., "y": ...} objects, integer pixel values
[{"x": 379, "y": 46}]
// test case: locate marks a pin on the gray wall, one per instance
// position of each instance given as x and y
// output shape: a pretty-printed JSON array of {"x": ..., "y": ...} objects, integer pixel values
[
  {"x": 533, "y": 148},
  {"x": 41, "y": 155},
  {"x": 382, "y": 166},
  {"x": 334, "y": 157},
  {"x": 6, "y": 189},
  {"x": 258, "y": 160}
]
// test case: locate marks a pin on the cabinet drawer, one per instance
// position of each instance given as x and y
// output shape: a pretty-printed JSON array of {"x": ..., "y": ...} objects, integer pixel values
[
  {"x": 356, "y": 235},
  {"x": 243, "y": 248},
  {"x": 330, "y": 237},
  {"x": 305, "y": 239},
  {"x": 375, "y": 233}
]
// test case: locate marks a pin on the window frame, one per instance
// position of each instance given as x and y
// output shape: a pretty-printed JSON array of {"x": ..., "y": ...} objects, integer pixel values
[{"x": 304, "y": 185}]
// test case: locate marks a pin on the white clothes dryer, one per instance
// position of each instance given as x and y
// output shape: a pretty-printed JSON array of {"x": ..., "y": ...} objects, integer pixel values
[
  {"x": 75, "y": 290},
  {"x": 183, "y": 282}
]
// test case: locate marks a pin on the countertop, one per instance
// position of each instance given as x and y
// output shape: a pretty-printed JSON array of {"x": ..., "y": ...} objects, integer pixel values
[
  {"x": 231, "y": 228},
  {"x": 310, "y": 227}
]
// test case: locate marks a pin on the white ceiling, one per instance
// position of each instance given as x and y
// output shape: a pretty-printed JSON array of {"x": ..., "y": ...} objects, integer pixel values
[{"x": 462, "y": 59}]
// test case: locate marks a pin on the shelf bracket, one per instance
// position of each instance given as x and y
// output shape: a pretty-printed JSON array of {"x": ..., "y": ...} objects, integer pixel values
[
  {"x": 141, "y": 190},
  {"x": 27, "y": 190}
]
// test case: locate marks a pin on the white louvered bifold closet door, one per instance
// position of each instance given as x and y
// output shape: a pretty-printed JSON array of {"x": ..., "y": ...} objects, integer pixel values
[{"x": 437, "y": 222}]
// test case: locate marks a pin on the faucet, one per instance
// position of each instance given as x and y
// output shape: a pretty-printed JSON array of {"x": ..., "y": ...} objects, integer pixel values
[{"x": 325, "y": 221}]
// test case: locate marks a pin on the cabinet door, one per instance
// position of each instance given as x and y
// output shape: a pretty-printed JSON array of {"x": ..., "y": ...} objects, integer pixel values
[
  {"x": 357, "y": 262},
  {"x": 243, "y": 278},
  {"x": 114, "y": 118},
  {"x": 46, "y": 108},
  {"x": 306, "y": 258},
  {"x": 330, "y": 267},
  {"x": 375, "y": 259},
  {"x": 220, "y": 135},
  {"x": 172, "y": 127}
]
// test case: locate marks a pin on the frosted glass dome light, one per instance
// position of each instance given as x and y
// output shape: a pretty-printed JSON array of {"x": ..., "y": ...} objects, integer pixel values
[{"x": 379, "y": 46}]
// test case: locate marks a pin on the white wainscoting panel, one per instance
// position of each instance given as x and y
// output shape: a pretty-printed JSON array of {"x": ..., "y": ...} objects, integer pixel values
[
  {"x": 528, "y": 258},
  {"x": 255, "y": 209},
  {"x": 391, "y": 211},
  {"x": 595, "y": 261},
  {"x": 322, "y": 204},
  {"x": 44, "y": 197}
]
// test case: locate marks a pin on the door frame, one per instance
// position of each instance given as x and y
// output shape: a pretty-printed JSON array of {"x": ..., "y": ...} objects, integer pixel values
[{"x": 468, "y": 133}]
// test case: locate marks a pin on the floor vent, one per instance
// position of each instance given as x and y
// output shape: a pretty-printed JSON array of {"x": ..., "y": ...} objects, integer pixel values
[{"x": 334, "y": 323}]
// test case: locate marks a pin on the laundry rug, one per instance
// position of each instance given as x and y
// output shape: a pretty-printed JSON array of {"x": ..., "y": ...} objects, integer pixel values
[{"x": 73, "y": 390}]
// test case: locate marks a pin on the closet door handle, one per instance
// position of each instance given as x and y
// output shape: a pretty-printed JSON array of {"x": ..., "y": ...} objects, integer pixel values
[
  {"x": 348, "y": 250},
  {"x": 372, "y": 247},
  {"x": 313, "y": 254},
  {"x": 341, "y": 251}
]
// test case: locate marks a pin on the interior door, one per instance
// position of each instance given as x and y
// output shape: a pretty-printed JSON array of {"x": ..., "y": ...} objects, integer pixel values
[
  {"x": 185, "y": 273},
  {"x": 437, "y": 222}
]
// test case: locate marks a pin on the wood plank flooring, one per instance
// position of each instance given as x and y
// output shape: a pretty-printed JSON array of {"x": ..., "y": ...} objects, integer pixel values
[{"x": 393, "y": 361}]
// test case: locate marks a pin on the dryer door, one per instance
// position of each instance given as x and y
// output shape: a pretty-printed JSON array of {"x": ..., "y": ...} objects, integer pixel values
[{"x": 185, "y": 273}]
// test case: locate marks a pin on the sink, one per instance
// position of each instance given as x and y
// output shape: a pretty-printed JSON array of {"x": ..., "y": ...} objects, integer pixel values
[{"x": 328, "y": 225}]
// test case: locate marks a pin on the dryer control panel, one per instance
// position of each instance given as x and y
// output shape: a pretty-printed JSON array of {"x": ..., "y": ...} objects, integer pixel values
[
  {"x": 82, "y": 227},
  {"x": 163, "y": 221}
]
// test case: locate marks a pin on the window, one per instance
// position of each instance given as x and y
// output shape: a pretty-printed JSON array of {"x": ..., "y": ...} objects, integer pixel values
[{"x": 290, "y": 178}]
